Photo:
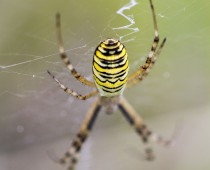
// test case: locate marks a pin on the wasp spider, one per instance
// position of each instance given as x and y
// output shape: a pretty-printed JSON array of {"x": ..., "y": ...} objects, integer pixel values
[{"x": 110, "y": 72}]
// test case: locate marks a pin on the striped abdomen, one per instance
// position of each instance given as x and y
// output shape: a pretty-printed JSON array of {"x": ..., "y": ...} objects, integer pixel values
[{"x": 110, "y": 67}]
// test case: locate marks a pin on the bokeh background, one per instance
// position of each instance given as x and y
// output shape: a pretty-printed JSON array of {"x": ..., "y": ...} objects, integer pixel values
[{"x": 37, "y": 118}]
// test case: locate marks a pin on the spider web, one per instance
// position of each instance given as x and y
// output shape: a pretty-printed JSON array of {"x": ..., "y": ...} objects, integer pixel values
[{"x": 35, "y": 113}]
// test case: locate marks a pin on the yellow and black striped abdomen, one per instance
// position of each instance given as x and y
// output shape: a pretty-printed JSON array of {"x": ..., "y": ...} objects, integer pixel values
[{"x": 110, "y": 67}]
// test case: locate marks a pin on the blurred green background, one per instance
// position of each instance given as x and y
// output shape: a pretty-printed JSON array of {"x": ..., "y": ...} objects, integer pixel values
[{"x": 36, "y": 117}]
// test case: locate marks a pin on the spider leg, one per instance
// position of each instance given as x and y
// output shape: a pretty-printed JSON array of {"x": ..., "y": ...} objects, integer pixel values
[
  {"x": 137, "y": 122},
  {"x": 64, "y": 57},
  {"x": 72, "y": 154},
  {"x": 71, "y": 92},
  {"x": 144, "y": 68}
]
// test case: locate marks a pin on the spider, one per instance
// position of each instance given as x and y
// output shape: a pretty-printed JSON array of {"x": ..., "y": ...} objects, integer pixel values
[{"x": 110, "y": 72}]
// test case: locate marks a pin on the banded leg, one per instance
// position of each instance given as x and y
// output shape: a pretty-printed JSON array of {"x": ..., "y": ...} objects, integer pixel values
[
  {"x": 144, "y": 70},
  {"x": 153, "y": 48},
  {"x": 71, "y": 155},
  {"x": 71, "y": 92},
  {"x": 64, "y": 57},
  {"x": 137, "y": 122}
]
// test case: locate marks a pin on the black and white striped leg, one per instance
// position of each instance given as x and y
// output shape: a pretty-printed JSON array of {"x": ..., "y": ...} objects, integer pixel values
[
  {"x": 143, "y": 72},
  {"x": 71, "y": 92},
  {"x": 71, "y": 156},
  {"x": 154, "y": 46},
  {"x": 64, "y": 57},
  {"x": 137, "y": 122}
]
